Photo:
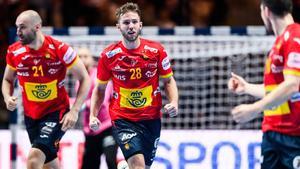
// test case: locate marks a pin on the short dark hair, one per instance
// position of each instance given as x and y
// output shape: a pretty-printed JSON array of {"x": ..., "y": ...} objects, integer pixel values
[
  {"x": 279, "y": 7},
  {"x": 128, "y": 7}
]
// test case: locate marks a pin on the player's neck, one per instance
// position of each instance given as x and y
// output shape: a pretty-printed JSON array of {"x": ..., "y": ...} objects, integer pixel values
[
  {"x": 131, "y": 44},
  {"x": 38, "y": 42},
  {"x": 280, "y": 24}
]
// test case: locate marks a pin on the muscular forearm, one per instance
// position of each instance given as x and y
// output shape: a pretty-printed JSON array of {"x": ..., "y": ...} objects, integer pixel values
[
  {"x": 282, "y": 93},
  {"x": 7, "y": 89},
  {"x": 171, "y": 90},
  {"x": 81, "y": 94},
  {"x": 256, "y": 90},
  {"x": 96, "y": 100}
]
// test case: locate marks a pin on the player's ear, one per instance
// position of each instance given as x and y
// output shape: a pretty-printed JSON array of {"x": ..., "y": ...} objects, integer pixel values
[
  {"x": 38, "y": 27},
  {"x": 267, "y": 11},
  {"x": 141, "y": 25},
  {"x": 118, "y": 25}
]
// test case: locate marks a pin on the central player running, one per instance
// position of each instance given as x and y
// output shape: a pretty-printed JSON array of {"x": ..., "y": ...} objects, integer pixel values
[{"x": 135, "y": 65}]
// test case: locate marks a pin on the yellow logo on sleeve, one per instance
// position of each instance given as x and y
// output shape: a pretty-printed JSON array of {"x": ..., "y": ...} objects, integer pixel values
[
  {"x": 279, "y": 110},
  {"x": 136, "y": 98},
  {"x": 41, "y": 92}
]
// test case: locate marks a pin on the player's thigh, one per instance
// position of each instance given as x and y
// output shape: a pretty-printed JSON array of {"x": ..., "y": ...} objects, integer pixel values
[
  {"x": 150, "y": 139},
  {"x": 50, "y": 134},
  {"x": 290, "y": 150},
  {"x": 271, "y": 160},
  {"x": 32, "y": 128},
  {"x": 129, "y": 137},
  {"x": 138, "y": 138},
  {"x": 270, "y": 153}
]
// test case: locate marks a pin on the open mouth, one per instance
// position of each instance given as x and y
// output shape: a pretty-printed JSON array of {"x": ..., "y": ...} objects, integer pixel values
[
  {"x": 21, "y": 38},
  {"x": 131, "y": 32}
]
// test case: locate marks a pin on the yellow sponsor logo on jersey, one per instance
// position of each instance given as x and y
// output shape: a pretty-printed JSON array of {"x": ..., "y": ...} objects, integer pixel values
[
  {"x": 136, "y": 98},
  {"x": 279, "y": 110},
  {"x": 41, "y": 92}
]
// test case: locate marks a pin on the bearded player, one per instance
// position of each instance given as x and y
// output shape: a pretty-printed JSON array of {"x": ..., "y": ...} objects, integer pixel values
[{"x": 135, "y": 66}]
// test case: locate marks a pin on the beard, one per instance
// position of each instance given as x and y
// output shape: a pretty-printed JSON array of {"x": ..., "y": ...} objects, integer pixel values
[
  {"x": 27, "y": 39},
  {"x": 131, "y": 37}
]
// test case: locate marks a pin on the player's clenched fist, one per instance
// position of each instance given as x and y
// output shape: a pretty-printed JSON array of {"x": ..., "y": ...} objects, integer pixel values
[
  {"x": 237, "y": 84},
  {"x": 11, "y": 103},
  {"x": 94, "y": 123},
  {"x": 171, "y": 109}
]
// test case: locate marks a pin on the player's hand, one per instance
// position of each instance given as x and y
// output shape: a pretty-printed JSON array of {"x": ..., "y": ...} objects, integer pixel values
[
  {"x": 171, "y": 109},
  {"x": 245, "y": 112},
  {"x": 69, "y": 120},
  {"x": 11, "y": 103},
  {"x": 94, "y": 123},
  {"x": 237, "y": 84}
]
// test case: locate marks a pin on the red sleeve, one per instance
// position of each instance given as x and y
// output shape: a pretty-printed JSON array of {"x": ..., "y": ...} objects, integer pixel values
[
  {"x": 103, "y": 73},
  {"x": 292, "y": 54},
  {"x": 9, "y": 60},
  {"x": 164, "y": 65},
  {"x": 65, "y": 53}
]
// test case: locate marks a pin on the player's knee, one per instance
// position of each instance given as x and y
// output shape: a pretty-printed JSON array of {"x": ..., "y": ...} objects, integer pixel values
[
  {"x": 136, "y": 167},
  {"x": 136, "y": 162},
  {"x": 46, "y": 151},
  {"x": 52, "y": 165},
  {"x": 35, "y": 160}
]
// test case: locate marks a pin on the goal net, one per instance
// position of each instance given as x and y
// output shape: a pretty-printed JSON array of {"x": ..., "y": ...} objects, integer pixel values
[{"x": 202, "y": 67}]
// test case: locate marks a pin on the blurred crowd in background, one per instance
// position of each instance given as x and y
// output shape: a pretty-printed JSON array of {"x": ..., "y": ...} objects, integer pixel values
[{"x": 162, "y": 13}]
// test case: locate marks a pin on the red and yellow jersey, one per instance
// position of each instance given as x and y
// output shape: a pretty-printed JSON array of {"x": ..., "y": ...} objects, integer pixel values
[
  {"x": 41, "y": 75},
  {"x": 135, "y": 74},
  {"x": 283, "y": 59}
]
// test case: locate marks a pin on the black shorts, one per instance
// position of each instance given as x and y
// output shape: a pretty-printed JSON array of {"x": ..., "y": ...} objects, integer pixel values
[
  {"x": 45, "y": 134},
  {"x": 280, "y": 151},
  {"x": 138, "y": 137}
]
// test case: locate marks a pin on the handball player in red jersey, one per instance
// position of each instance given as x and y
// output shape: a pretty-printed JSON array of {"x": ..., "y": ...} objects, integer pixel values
[
  {"x": 40, "y": 62},
  {"x": 280, "y": 96},
  {"x": 135, "y": 66}
]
